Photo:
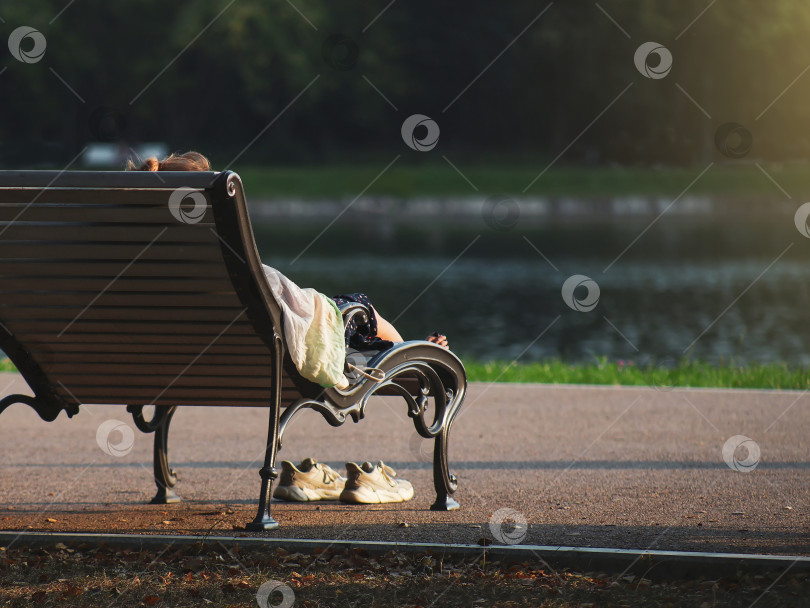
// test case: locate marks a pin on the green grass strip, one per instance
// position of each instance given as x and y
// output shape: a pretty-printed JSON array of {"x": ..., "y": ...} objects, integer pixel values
[{"x": 621, "y": 373}]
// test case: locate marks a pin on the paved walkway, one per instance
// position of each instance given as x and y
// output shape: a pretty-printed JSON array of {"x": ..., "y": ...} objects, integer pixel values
[{"x": 593, "y": 467}]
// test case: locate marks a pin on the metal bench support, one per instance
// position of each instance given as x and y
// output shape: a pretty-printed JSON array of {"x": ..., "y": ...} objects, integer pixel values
[
  {"x": 268, "y": 473},
  {"x": 165, "y": 477}
]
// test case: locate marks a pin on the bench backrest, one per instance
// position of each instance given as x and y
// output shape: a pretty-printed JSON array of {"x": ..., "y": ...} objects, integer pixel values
[{"x": 135, "y": 287}]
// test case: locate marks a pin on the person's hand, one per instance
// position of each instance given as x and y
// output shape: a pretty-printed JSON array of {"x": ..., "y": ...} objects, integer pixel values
[{"x": 438, "y": 338}]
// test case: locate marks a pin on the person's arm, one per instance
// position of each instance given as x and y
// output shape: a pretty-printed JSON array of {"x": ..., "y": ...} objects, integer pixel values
[{"x": 386, "y": 331}]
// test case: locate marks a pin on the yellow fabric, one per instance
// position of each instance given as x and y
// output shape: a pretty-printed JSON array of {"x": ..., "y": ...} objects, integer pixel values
[{"x": 313, "y": 330}]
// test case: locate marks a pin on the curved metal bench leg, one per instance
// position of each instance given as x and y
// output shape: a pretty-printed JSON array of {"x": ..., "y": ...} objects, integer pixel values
[
  {"x": 268, "y": 473},
  {"x": 165, "y": 477},
  {"x": 444, "y": 481}
]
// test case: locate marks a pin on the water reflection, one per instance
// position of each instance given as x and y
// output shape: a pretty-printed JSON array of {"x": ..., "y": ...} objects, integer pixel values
[{"x": 696, "y": 279}]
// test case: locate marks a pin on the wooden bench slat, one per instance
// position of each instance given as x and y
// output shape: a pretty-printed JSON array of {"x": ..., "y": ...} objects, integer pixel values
[
  {"x": 127, "y": 236},
  {"x": 118, "y": 214},
  {"x": 111, "y": 299},
  {"x": 253, "y": 349},
  {"x": 166, "y": 402},
  {"x": 180, "y": 348},
  {"x": 124, "y": 283},
  {"x": 92, "y": 268},
  {"x": 193, "y": 350},
  {"x": 162, "y": 378},
  {"x": 48, "y": 327},
  {"x": 200, "y": 401},
  {"x": 120, "y": 313},
  {"x": 150, "y": 357},
  {"x": 285, "y": 401},
  {"x": 51, "y": 252},
  {"x": 252, "y": 369},
  {"x": 137, "y": 393},
  {"x": 92, "y": 197}
]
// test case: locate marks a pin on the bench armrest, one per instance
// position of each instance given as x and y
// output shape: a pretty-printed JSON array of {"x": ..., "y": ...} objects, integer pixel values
[{"x": 350, "y": 310}]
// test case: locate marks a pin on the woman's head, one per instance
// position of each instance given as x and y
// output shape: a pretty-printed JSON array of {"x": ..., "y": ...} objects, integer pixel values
[{"x": 188, "y": 161}]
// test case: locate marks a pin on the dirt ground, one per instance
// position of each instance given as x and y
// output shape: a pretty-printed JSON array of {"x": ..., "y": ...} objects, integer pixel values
[{"x": 84, "y": 576}]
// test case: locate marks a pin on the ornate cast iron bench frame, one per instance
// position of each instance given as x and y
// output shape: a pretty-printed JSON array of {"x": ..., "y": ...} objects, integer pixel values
[{"x": 142, "y": 288}]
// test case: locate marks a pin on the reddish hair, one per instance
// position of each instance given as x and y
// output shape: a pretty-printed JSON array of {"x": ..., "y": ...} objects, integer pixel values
[{"x": 188, "y": 161}]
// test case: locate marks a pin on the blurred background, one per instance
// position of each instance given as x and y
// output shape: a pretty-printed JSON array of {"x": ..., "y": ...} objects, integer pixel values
[{"x": 658, "y": 149}]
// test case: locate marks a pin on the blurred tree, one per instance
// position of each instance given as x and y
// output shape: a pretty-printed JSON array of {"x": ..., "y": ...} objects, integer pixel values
[{"x": 504, "y": 84}]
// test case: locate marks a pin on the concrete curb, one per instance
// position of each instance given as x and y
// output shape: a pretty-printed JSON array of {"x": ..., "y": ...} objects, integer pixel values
[{"x": 654, "y": 565}]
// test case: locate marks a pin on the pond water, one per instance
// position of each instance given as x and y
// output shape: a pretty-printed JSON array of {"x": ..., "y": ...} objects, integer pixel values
[{"x": 714, "y": 280}]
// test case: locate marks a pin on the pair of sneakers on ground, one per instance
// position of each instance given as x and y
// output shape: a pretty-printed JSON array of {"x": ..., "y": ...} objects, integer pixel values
[{"x": 364, "y": 484}]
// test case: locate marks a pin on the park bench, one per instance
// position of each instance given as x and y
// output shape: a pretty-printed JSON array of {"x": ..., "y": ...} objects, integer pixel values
[{"x": 146, "y": 289}]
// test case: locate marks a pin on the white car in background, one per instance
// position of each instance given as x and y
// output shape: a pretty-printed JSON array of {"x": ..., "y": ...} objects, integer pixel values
[{"x": 115, "y": 155}]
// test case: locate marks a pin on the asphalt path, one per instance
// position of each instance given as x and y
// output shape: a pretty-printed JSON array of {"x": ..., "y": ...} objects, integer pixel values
[{"x": 635, "y": 468}]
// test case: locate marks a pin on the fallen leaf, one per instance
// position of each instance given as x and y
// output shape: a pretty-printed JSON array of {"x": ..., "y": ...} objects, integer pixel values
[
  {"x": 151, "y": 600},
  {"x": 72, "y": 590},
  {"x": 39, "y": 597}
]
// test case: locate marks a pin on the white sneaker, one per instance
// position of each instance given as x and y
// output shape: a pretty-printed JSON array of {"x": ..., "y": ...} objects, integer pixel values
[
  {"x": 310, "y": 480},
  {"x": 374, "y": 484}
]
